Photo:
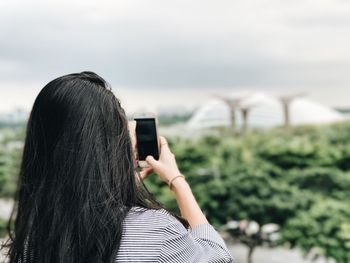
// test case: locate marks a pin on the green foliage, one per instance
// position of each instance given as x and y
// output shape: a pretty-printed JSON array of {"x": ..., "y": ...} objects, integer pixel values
[
  {"x": 298, "y": 179},
  {"x": 325, "y": 226},
  {"x": 11, "y": 142},
  {"x": 169, "y": 119},
  {"x": 262, "y": 198},
  {"x": 324, "y": 181},
  {"x": 3, "y": 226},
  {"x": 290, "y": 179}
]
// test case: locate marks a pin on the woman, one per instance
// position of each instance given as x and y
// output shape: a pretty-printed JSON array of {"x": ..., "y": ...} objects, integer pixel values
[{"x": 78, "y": 198}]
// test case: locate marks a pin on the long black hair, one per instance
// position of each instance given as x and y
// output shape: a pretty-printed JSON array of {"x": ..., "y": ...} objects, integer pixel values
[{"x": 77, "y": 179}]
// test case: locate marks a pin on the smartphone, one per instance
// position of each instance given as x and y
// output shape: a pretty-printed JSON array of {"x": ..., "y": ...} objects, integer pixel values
[{"x": 146, "y": 137}]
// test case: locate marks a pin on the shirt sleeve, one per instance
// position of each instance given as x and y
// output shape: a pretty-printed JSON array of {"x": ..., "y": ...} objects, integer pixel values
[{"x": 202, "y": 244}]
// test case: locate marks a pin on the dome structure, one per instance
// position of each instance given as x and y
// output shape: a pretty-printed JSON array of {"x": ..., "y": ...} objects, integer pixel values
[{"x": 264, "y": 111}]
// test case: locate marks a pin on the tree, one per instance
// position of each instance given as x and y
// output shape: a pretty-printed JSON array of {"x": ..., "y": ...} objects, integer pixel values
[
  {"x": 257, "y": 194},
  {"x": 325, "y": 226},
  {"x": 231, "y": 182},
  {"x": 3, "y": 227},
  {"x": 9, "y": 169}
]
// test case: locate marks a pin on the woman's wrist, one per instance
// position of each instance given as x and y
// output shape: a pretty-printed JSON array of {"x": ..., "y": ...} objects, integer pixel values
[
  {"x": 173, "y": 178},
  {"x": 179, "y": 184}
]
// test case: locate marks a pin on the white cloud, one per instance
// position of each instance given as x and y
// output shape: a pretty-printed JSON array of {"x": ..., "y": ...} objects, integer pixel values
[{"x": 300, "y": 44}]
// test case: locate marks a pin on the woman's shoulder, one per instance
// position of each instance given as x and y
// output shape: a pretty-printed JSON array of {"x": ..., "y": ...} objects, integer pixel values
[
  {"x": 155, "y": 216},
  {"x": 165, "y": 239},
  {"x": 150, "y": 224},
  {"x": 153, "y": 220},
  {"x": 144, "y": 233}
]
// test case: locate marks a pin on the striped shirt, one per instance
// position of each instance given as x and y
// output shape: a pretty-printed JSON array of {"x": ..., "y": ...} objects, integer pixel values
[{"x": 157, "y": 236}]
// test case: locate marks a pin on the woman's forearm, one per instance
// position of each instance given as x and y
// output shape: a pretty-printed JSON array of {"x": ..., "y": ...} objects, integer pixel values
[
  {"x": 166, "y": 168},
  {"x": 187, "y": 203}
]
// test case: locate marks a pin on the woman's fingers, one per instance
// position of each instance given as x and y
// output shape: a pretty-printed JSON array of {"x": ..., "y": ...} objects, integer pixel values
[
  {"x": 165, "y": 167},
  {"x": 151, "y": 161},
  {"x": 163, "y": 144},
  {"x": 145, "y": 172}
]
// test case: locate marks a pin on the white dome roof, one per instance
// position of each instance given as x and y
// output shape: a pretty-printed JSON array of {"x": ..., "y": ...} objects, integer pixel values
[
  {"x": 215, "y": 113},
  {"x": 265, "y": 111}
]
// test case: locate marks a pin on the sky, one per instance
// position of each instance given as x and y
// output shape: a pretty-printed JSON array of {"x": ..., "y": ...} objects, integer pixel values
[{"x": 160, "y": 53}]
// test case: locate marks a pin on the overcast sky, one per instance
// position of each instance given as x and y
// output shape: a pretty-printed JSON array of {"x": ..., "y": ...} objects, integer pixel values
[{"x": 160, "y": 49}]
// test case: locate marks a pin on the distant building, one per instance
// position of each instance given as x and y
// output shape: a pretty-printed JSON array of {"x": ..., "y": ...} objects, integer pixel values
[
  {"x": 344, "y": 111},
  {"x": 265, "y": 111},
  {"x": 18, "y": 115}
]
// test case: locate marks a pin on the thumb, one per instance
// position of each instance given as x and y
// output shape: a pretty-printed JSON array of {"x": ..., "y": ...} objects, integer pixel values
[
  {"x": 145, "y": 172},
  {"x": 150, "y": 160}
]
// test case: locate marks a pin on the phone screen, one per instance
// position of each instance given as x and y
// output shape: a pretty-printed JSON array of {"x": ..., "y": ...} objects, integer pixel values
[{"x": 146, "y": 135}]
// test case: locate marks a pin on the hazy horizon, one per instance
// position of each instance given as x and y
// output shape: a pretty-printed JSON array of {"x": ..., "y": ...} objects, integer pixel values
[{"x": 186, "y": 99}]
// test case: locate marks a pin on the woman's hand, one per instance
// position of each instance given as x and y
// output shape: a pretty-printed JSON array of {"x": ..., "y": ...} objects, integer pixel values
[
  {"x": 166, "y": 166},
  {"x": 145, "y": 172},
  {"x": 167, "y": 169}
]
